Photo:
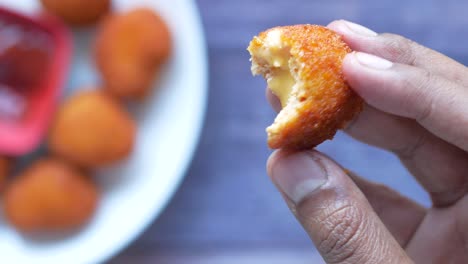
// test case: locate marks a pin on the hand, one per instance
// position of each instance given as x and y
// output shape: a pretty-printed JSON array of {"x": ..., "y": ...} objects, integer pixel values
[{"x": 416, "y": 107}]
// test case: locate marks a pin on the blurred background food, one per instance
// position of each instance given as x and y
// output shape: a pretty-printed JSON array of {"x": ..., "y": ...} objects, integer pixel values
[
  {"x": 92, "y": 129},
  {"x": 4, "y": 170},
  {"x": 130, "y": 49},
  {"x": 91, "y": 185},
  {"x": 78, "y": 12},
  {"x": 50, "y": 195}
]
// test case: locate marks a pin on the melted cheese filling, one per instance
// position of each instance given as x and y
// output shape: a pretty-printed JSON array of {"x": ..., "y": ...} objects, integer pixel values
[
  {"x": 279, "y": 78},
  {"x": 281, "y": 83}
]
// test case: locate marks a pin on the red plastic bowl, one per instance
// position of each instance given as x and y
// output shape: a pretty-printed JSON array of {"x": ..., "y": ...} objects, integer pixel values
[{"x": 24, "y": 135}]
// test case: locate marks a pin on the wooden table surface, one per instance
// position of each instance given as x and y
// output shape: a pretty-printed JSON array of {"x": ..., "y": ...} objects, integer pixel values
[{"x": 227, "y": 211}]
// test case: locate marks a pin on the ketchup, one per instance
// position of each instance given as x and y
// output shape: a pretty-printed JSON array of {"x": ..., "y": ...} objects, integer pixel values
[{"x": 25, "y": 55}]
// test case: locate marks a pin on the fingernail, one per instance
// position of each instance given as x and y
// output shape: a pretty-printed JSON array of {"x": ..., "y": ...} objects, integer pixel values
[
  {"x": 372, "y": 61},
  {"x": 297, "y": 175},
  {"x": 360, "y": 30}
]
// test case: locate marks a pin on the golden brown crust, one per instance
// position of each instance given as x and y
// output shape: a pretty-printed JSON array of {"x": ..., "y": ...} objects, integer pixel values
[
  {"x": 130, "y": 49},
  {"x": 50, "y": 195},
  {"x": 92, "y": 129},
  {"x": 326, "y": 101},
  {"x": 78, "y": 12}
]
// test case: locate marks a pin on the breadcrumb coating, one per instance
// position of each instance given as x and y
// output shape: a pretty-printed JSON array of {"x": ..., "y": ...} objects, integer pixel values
[{"x": 302, "y": 65}]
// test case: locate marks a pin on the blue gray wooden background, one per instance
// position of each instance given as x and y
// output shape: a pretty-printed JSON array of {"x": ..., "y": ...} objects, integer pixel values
[{"x": 227, "y": 211}]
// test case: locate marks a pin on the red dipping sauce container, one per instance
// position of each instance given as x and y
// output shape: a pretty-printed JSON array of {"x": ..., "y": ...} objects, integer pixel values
[{"x": 34, "y": 61}]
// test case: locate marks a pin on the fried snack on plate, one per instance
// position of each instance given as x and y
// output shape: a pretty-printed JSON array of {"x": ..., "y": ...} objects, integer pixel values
[
  {"x": 130, "y": 49},
  {"x": 4, "y": 170},
  {"x": 92, "y": 129},
  {"x": 302, "y": 66},
  {"x": 78, "y": 12},
  {"x": 50, "y": 195}
]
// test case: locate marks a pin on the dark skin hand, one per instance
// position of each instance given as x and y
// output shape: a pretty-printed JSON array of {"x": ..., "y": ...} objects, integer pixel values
[{"x": 416, "y": 107}]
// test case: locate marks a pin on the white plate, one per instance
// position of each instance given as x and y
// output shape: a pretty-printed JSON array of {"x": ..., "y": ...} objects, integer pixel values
[{"x": 169, "y": 125}]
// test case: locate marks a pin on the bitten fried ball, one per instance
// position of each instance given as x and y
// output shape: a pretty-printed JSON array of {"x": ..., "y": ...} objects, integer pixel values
[
  {"x": 302, "y": 66},
  {"x": 92, "y": 129},
  {"x": 4, "y": 170},
  {"x": 78, "y": 12},
  {"x": 130, "y": 49},
  {"x": 50, "y": 195}
]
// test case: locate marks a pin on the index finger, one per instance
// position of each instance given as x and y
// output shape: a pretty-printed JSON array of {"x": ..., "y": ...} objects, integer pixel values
[
  {"x": 436, "y": 103},
  {"x": 399, "y": 49}
]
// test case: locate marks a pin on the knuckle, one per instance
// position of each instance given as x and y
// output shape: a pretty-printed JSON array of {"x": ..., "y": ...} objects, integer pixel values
[
  {"x": 449, "y": 195},
  {"x": 418, "y": 87},
  {"x": 409, "y": 151},
  {"x": 342, "y": 232},
  {"x": 446, "y": 198},
  {"x": 421, "y": 90},
  {"x": 399, "y": 48}
]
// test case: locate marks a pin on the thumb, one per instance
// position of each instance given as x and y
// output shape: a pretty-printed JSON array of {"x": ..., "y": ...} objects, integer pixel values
[{"x": 332, "y": 209}]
